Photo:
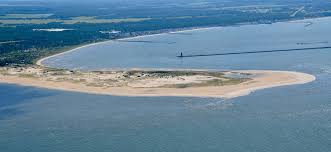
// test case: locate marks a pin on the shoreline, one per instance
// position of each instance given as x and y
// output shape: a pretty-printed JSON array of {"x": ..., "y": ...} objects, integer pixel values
[
  {"x": 39, "y": 61},
  {"x": 262, "y": 79},
  {"x": 302, "y": 78},
  {"x": 269, "y": 79}
]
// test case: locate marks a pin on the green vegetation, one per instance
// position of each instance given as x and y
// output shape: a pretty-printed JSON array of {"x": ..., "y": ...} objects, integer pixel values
[
  {"x": 219, "y": 77},
  {"x": 74, "y": 20},
  {"x": 94, "y": 20},
  {"x": 162, "y": 74},
  {"x": 177, "y": 73},
  {"x": 125, "y": 78},
  {"x": 27, "y": 76},
  {"x": 214, "y": 82}
]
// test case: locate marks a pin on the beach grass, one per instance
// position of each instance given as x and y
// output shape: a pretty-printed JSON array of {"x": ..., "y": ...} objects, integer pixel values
[{"x": 209, "y": 83}]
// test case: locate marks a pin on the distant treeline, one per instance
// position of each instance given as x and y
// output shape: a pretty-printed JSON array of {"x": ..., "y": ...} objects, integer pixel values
[{"x": 22, "y": 44}]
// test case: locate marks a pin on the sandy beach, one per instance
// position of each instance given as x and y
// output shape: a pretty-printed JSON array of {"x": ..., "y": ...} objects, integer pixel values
[
  {"x": 153, "y": 84},
  {"x": 156, "y": 87}
]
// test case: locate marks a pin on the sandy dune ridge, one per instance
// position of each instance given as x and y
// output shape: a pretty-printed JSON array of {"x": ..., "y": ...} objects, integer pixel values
[{"x": 157, "y": 86}]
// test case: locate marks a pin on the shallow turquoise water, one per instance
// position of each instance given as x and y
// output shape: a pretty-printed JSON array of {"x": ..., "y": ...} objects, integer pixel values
[{"x": 292, "y": 118}]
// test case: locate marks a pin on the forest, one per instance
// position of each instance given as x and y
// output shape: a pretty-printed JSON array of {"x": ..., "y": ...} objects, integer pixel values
[{"x": 31, "y": 30}]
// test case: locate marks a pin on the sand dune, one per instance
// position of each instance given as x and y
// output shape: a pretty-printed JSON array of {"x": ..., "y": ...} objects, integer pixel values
[{"x": 152, "y": 84}]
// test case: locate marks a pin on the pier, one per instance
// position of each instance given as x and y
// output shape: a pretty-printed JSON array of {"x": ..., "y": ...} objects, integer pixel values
[{"x": 252, "y": 52}]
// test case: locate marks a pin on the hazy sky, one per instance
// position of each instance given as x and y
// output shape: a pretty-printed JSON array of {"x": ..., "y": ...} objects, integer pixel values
[{"x": 101, "y": 0}]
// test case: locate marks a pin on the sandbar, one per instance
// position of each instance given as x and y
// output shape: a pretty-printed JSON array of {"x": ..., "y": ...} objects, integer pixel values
[{"x": 179, "y": 83}]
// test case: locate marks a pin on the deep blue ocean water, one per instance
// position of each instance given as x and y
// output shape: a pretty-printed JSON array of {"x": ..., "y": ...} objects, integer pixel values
[{"x": 291, "y": 118}]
